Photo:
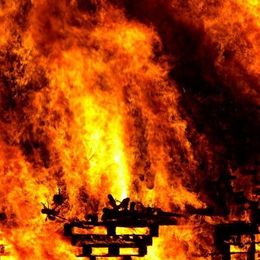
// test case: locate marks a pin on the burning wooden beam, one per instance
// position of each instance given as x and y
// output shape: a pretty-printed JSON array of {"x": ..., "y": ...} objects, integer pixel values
[{"x": 119, "y": 216}]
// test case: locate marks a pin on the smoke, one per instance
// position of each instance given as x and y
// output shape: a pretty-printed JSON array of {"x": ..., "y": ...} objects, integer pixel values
[{"x": 212, "y": 45}]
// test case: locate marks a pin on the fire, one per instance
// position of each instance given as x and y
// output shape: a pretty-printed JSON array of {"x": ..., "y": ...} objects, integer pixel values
[{"x": 104, "y": 97}]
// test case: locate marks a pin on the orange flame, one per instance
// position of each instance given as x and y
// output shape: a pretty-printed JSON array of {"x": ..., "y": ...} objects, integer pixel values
[{"x": 87, "y": 105}]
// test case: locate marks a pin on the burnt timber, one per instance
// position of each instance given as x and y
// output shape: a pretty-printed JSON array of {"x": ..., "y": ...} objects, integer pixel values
[
  {"x": 231, "y": 234},
  {"x": 234, "y": 239},
  {"x": 118, "y": 216}
]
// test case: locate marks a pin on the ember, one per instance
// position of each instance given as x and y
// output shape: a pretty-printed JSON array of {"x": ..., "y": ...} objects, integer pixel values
[{"x": 157, "y": 100}]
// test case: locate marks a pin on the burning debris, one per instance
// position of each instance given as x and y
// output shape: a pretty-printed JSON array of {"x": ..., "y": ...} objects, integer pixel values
[
  {"x": 231, "y": 235},
  {"x": 59, "y": 198},
  {"x": 136, "y": 215},
  {"x": 53, "y": 212},
  {"x": 119, "y": 216}
]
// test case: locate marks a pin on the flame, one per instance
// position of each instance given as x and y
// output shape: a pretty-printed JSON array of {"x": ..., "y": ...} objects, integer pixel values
[{"x": 88, "y": 104}]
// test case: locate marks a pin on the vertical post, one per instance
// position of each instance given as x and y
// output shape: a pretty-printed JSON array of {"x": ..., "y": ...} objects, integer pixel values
[
  {"x": 111, "y": 230},
  {"x": 86, "y": 250},
  {"x": 113, "y": 250},
  {"x": 142, "y": 250},
  {"x": 226, "y": 251},
  {"x": 68, "y": 230},
  {"x": 154, "y": 230},
  {"x": 251, "y": 251}
]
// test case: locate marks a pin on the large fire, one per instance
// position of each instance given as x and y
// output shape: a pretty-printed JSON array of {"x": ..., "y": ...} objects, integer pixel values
[{"x": 153, "y": 99}]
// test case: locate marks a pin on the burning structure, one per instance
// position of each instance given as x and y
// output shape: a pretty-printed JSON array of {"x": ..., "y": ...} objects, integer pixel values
[
  {"x": 116, "y": 217},
  {"x": 153, "y": 99}
]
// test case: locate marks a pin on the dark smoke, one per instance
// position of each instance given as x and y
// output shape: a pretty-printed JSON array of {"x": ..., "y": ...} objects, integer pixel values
[{"x": 218, "y": 92}]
